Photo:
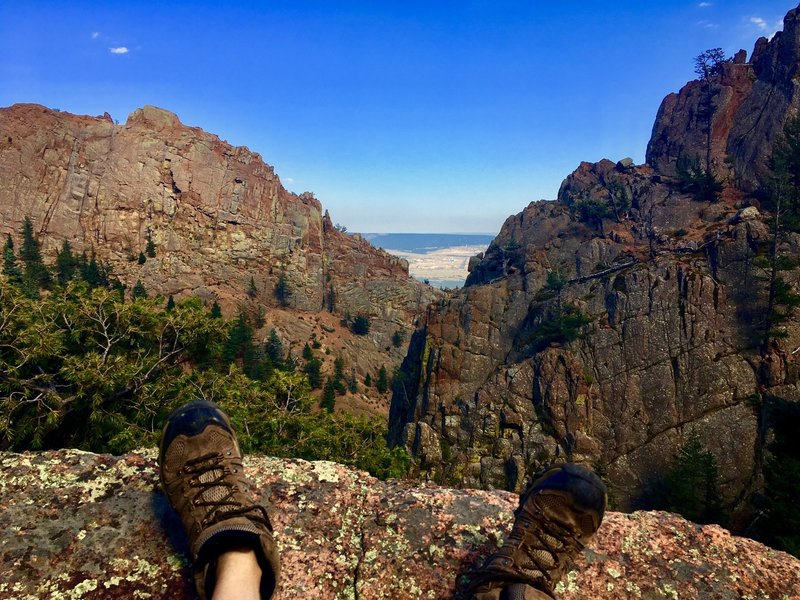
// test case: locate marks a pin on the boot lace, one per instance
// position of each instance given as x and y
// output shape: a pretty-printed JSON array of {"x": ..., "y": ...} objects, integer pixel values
[{"x": 218, "y": 491}]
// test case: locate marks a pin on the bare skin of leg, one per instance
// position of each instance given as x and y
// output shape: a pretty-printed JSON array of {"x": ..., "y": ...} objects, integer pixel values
[{"x": 238, "y": 576}]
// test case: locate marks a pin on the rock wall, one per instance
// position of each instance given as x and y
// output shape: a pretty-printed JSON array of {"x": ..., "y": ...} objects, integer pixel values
[
  {"x": 675, "y": 300},
  {"x": 90, "y": 526},
  {"x": 750, "y": 102},
  {"x": 218, "y": 215}
]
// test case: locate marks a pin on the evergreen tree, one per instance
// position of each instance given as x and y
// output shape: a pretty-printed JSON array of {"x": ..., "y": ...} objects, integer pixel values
[
  {"x": 368, "y": 381},
  {"x": 338, "y": 375},
  {"x": 91, "y": 271},
  {"x": 66, "y": 263},
  {"x": 138, "y": 290},
  {"x": 360, "y": 325},
  {"x": 692, "y": 484},
  {"x": 240, "y": 339},
  {"x": 142, "y": 258},
  {"x": 382, "y": 384},
  {"x": 150, "y": 248},
  {"x": 216, "y": 311},
  {"x": 170, "y": 304},
  {"x": 36, "y": 275},
  {"x": 10, "y": 267},
  {"x": 308, "y": 354},
  {"x": 252, "y": 290},
  {"x": 328, "y": 401},
  {"x": 313, "y": 368},
  {"x": 274, "y": 349},
  {"x": 282, "y": 291}
]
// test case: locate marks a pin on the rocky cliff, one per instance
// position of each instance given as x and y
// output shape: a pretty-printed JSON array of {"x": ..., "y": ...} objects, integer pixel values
[
  {"x": 217, "y": 214},
  {"x": 614, "y": 336},
  {"x": 749, "y": 103},
  {"x": 88, "y": 526}
]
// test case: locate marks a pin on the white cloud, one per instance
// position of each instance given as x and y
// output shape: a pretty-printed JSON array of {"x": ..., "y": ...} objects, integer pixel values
[
  {"x": 707, "y": 24},
  {"x": 288, "y": 179},
  {"x": 118, "y": 50},
  {"x": 95, "y": 35},
  {"x": 704, "y": 4},
  {"x": 758, "y": 22}
]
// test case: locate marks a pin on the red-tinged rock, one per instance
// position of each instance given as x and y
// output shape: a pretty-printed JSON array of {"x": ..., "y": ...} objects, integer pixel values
[{"x": 80, "y": 525}]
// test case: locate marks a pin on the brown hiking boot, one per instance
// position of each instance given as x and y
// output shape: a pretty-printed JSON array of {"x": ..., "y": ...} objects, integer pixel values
[
  {"x": 558, "y": 514},
  {"x": 202, "y": 477}
]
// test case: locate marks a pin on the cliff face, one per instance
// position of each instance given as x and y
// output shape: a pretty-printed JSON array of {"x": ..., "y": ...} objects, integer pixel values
[
  {"x": 96, "y": 526},
  {"x": 673, "y": 296},
  {"x": 750, "y": 103},
  {"x": 218, "y": 215}
]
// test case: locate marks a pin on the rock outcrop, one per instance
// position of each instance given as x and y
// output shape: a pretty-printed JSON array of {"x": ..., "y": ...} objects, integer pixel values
[
  {"x": 612, "y": 339},
  {"x": 81, "y": 525},
  {"x": 217, "y": 214},
  {"x": 750, "y": 103}
]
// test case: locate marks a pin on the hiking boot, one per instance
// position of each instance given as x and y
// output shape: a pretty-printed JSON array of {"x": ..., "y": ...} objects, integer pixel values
[
  {"x": 202, "y": 477},
  {"x": 557, "y": 516}
]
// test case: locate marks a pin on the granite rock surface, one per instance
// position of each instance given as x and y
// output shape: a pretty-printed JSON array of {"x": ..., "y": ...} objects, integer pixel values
[{"x": 80, "y": 525}]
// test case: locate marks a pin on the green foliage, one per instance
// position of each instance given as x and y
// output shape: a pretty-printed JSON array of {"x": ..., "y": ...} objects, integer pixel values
[
  {"x": 368, "y": 381},
  {"x": 274, "y": 349},
  {"x": 552, "y": 287},
  {"x": 252, "y": 290},
  {"x": 138, "y": 290},
  {"x": 700, "y": 183},
  {"x": 282, "y": 292},
  {"x": 691, "y": 484},
  {"x": 382, "y": 383},
  {"x": 150, "y": 249},
  {"x": 216, "y": 311},
  {"x": 360, "y": 325},
  {"x": 561, "y": 324},
  {"x": 780, "y": 524},
  {"x": 170, "y": 304},
  {"x": 66, "y": 264},
  {"x": 592, "y": 212},
  {"x": 35, "y": 274},
  {"x": 10, "y": 267},
  {"x": 708, "y": 64},
  {"x": 398, "y": 337},
  {"x": 313, "y": 369},
  {"x": 328, "y": 401},
  {"x": 82, "y": 368},
  {"x": 142, "y": 258}
]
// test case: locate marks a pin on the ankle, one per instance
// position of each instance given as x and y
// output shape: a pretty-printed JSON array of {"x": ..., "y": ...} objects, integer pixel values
[{"x": 238, "y": 576}]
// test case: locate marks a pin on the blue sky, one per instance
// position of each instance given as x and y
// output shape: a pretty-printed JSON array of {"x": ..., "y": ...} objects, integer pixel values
[{"x": 432, "y": 116}]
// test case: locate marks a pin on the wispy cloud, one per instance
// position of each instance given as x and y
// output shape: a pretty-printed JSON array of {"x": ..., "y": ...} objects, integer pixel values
[
  {"x": 288, "y": 179},
  {"x": 707, "y": 24},
  {"x": 95, "y": 35},
  {"x": 759, "y": 22},
  {"x": 118, "y": 50},
  {"x": 704, "y": 4}
]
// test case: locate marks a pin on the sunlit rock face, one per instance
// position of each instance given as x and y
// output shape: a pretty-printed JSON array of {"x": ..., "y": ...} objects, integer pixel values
[
  {"x": 217, "y": 214},
  {"x": 750, "y": 104},
  {"x": 673, "y": 296},
  {"x": 81, "y": 525}
]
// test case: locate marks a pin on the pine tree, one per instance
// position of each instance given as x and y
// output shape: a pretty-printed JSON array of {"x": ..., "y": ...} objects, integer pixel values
[
  {"x": 216, "y": 311},
  {"x": 138, "y": 290},
  {"x": 66, "y": 263},
  {"x": 307, "y": 352},
  {"x": 142, "y": 258},
  {"x": 274, "y": 349},
  {"x": 382, "y": 384},
  {"x": 252, "y": 290},
  {"x": 368, "y": 381},
  {"x": 170, "y": 303},
  {"x": 328, "y": 401},
  {"x": 150, "y": 248},
  {"x": 36, "y": 275},
  {"x": 282, "y": 291},
  {"x": 10, "y": 266}
]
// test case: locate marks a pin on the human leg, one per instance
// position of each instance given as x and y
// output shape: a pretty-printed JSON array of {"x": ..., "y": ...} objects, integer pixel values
[{"x": 230, "y": 537}]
